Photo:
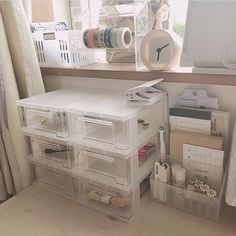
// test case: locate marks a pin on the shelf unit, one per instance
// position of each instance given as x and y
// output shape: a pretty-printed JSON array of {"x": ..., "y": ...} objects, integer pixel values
[{"x": 127, "y": 71}]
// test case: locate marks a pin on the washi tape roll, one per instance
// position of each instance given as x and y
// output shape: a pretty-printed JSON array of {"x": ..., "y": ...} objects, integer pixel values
[
  {"x": 101, "y": 37},
  {"x": 90, "y": 37},
  {"x": 96, "y": 38},
  {"x": 85, "y": 38},
  {"x": 113, "y": 34},
  {"x": 107, "y": 37},
  {"x": 124, "y": 37}
]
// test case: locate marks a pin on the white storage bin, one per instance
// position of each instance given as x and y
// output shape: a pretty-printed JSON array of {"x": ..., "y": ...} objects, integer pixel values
[
  {"x": 49, "y": 151},
  {"x": 63, "y": 49},
  {"x": 108, "y": 121},
  {"x": 193, "y": 202},
  {"x": 124, "y": 168},
  {"x": 108, "y": 200},
  {"x": 55, "y": 181}
]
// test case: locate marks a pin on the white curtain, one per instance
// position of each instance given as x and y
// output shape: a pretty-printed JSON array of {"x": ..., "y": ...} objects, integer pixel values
[{"x": 20, "y": 77}]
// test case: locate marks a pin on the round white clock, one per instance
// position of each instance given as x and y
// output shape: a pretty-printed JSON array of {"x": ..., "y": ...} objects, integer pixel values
[{"x": 160, "y": 50}]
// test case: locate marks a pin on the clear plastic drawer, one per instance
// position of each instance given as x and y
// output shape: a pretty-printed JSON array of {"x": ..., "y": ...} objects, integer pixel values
[
  {"x": 45, "y": 120},
  {"x": 55, "y": 152},
  {"x": 106, "y": 131},
  {"x": 108, "y": 200},
  {"x": 55, "y": 181},
  {"x": 124, "y": 169},
  {"x": 114, "y": 130}
]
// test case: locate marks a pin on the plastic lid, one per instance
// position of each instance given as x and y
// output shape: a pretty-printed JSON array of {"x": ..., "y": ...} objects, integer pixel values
[{"x": 98, "y": 102}]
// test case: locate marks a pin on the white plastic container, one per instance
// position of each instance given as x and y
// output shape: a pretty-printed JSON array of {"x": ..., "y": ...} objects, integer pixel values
[
  {"x": 63, "y": 49},
  {"x": 55, "y": 181},
  {"x": 124, "y": 168},
  {"x": 121, "y": 204},
  {"x": 106, "y": 120},
  {"x": 193, "y": 202},
  {"x": 56, "y": 152}
]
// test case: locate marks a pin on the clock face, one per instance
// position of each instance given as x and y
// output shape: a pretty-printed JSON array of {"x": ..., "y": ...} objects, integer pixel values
[
  {"x": 160, "y": 51},
  {"x": 157, "y": 49}
]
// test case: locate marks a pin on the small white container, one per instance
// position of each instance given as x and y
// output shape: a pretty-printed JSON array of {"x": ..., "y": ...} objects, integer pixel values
[
  {"x": 55, "y": 152},
  {"x": 180, "y": 178}
]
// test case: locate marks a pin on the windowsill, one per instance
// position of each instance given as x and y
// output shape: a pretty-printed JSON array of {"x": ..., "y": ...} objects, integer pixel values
[{"x": 127, "y": 71}]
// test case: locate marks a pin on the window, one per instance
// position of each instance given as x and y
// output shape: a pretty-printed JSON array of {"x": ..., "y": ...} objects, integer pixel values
[{"x": 178, "y": 15}]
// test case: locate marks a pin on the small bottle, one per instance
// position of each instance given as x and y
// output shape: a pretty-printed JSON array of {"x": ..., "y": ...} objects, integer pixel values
[
  {"x": 174, "y": 167},
  {"x": 180, "y": 178}
]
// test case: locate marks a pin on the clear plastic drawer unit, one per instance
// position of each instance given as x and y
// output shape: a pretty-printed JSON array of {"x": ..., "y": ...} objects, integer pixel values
[
  {"x": 122, "y": 167},
  {"x": 55, "y": 152}
]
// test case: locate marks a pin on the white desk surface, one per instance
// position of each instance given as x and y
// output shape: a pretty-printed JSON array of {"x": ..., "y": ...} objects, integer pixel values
[{"x": 37, "y": 212}]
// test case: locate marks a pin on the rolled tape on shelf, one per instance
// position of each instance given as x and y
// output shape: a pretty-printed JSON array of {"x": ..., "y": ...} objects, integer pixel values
[
  {"x": 85, "y": 38},
  {"x": 113, "y": 34},
  {"x": 90, "y": 38},
  {"x": 107, "y": 37},
  {"x": 96, "y": 38},
  {"x": 102, "y": 38},
  {"x": 124, "y": 37}
]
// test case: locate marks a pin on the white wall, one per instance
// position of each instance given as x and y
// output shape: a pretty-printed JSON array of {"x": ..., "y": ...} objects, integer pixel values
[{"x": 226, "y": 94}]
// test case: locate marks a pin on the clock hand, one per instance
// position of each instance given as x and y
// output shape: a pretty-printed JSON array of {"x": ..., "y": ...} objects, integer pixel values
[
  {"x": 159, "y": 51},
  {"x": 165, "y": 46},
  {"x": 158, "y": 54}
]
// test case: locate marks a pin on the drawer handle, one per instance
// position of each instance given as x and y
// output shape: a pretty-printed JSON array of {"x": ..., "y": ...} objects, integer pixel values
[
  {"x": 98, "y": 156},
  {"x": 95, "y": 121},
  {"x": 43, "y": 113}
]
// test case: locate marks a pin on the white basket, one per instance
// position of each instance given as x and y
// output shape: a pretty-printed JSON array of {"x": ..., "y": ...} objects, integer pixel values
[
  {"x": 189, "y": 201},
  {"x": 62, "y": 49}
]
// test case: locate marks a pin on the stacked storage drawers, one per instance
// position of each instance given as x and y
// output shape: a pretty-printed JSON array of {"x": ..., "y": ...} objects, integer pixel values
[{"x": 86, "y": 145}]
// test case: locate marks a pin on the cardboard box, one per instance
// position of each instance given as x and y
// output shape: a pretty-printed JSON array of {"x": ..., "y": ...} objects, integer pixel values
[{"x": 178, "y": 138}]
